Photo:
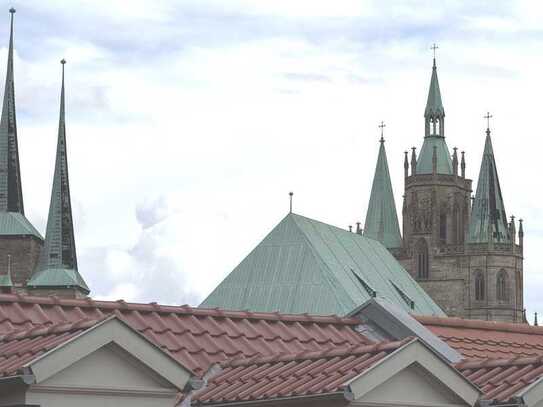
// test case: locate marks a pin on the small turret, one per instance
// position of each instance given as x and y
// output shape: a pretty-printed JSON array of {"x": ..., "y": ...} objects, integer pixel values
[
  {"x": 463, "y": 164},
  {"x": 405, "y": 165},
  {"x": 513, "y": 231},
  {"x": 520, "y": 233},
  {"x": 413, "y": 161}
]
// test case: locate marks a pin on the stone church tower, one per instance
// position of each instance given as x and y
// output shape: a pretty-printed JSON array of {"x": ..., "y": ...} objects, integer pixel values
[{"x": 463, "y": 251}]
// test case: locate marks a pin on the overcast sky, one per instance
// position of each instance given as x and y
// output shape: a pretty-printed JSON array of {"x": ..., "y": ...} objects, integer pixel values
[{"x": 188, "y": 122}]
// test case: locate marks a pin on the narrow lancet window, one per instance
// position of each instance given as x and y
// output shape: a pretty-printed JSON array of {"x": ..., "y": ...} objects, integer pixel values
[
  {"x": 421, "y": 258},
  {"x": 479, "y": 286},
  {"x": 501, "y": 286}
]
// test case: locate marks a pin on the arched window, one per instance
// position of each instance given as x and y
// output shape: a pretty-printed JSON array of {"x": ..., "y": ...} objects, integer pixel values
[
  {"x": 421, "y": 259},
  {"x": 479, "y": 286},
  {"x": 501, "y": 286}
]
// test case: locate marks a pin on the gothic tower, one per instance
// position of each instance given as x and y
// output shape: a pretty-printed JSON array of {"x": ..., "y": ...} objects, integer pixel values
[
  {"x": 20, "y": 242},
  {"x": 465, "y": 258}
]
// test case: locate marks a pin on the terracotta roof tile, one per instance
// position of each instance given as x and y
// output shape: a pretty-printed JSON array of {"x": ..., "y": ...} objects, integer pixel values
[
  {"x": 18, "y": 348},
  {"x": 308, "y": 373},
  {"x": 476, "y": 339},
  {"x": 501, "y": 379},
  {"x": 196, "y": 337}
]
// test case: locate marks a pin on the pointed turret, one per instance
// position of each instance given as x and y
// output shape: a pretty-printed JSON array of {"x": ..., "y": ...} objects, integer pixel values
[
  {"x": 488, "y": 223},
  {"x": 434, "y": 132},
  {"x": 57, "y": 268},
  {"x": 381, "y": 218},
  {"x": 11, "y": 193}
]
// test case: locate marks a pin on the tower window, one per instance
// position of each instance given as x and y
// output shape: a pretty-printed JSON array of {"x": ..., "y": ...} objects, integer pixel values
[
  {"x": 501, "y": 286},
  {"x": 421, "y": 259},
  {"x": 443, "y": 227},
  {"x": 479, "y": 286}
]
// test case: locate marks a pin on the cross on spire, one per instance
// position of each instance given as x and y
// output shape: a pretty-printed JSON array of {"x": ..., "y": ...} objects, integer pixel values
[
  {"x": 487, "y": 116},
  {"x": 433, "y": 48},
  {"x": 382, "y": 125}
]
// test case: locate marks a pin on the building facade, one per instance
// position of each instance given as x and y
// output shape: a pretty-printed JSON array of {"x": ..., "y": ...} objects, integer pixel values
[{"x": 462, "y": 250}]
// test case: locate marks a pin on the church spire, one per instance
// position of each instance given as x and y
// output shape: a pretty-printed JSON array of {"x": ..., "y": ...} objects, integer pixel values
[
  {"x": 381, "y": 219},
  {"x": 488, "y": 221},
  {"x": 11, "y": 193},
  {"x": 57, "y": 267},
  {"x": 434, "y": 131}
]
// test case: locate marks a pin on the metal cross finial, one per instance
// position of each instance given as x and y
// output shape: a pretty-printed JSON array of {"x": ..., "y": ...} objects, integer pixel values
[
  {"x": 290, "y": 194},
  {"x": 12, "y": 10},
  {"x": 433, "y": 48},
  {"x": 62, "y": 61},
  {"x": 382, "y": 125},
  {"x": 488, "y": 116}
]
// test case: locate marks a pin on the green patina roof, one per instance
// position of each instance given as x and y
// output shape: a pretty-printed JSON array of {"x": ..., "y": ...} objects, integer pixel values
[
  {"x": 57, "y": 266},
  {"x": 425, "y": 158},
  {"x": 381, "y": 219},
  {"x": 11, "y": 193},
  {"x": 15, "y": 223},
  {"x": 488, "y": 211},
  {"x": 434, "y": 105},
  {"x": 304, "y": 265}
]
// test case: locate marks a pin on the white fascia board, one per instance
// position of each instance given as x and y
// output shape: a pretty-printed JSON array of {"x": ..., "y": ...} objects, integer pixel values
[
  {"x": 111, "y": 330},
  {"x": 418, "y": 352}
]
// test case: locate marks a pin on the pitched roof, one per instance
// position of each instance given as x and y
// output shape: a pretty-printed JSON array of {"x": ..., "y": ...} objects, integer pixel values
[
  {"x": 434, "y": 105},
  {"x": 15, "y": 223},
  {"x": 304, "y": 265},
  {"x": 476, "y": 339},
  {"x": 11, "y": 192},
  {"x": 381, "y": 218},
  {"x": 502, "y": 379},
  {"x": 57, "y": 266},
  {"x": 195, "y": 337},
  {"x": 18, "y": 348},
  {"x": 488, "y": 212},
  {"x": 303, "y": 374}
]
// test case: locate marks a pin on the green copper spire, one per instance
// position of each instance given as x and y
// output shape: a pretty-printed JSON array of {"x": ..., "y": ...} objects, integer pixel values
[
  {"x": 381, "y": 219},
  {"x": 488, "y": 221},
  {"x": 58, "y": 262},
  {"x": 11, "y": 193},
  {"x": 434, "y": 134}
]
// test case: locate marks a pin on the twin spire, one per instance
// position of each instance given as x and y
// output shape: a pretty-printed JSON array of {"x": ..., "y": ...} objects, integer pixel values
[
  {"x": 57, "y": 266},
  {"x": 11, "y": 192}
]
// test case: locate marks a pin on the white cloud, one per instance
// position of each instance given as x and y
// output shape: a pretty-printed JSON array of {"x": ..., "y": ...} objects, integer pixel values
[{"x": 189, "y": 122}]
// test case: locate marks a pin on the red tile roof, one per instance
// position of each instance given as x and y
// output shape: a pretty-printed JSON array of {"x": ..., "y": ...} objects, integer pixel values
[
  {"x": 196, "y": 337},
  {"x": 501, "y": 379},
  {"x": 487, "y": 339},
  {"x": 19, "y": 348},
  {"x": 303, "y": 374}
]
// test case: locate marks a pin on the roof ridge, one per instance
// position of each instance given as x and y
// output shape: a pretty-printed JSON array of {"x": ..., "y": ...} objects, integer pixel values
[
  {"x": 179, "y": 309},
  {"x": 329, "y": 353},
  {"x": 58, "y": 328},
  {"x": 497, "y": 362},
  {"x": 479, "y": 324}
]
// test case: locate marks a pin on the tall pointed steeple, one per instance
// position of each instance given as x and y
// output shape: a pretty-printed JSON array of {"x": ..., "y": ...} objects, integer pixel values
[
  {"x": 434, "y": 131},
  {"x": 57, "y": 268},
  {"x": 488, "y": 221},
  {"x": 11, "y": 193},
  {"x": 381, "y": 218}
]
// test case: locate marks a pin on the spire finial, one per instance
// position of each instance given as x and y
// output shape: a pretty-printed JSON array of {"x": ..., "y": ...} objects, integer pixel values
[
  {"x": 290, "y": 194},
  {"x": 488, "y": 116},
  {"x": 382, "y": 125},
  {"x": 433, "y": 48}
]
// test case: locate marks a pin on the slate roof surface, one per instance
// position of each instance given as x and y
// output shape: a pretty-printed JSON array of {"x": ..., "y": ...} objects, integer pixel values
[
  {"x": 20, "y": 347},
  {"x": 502, "y": 379},
  {"x": 308, "y": 373},
  {"x": 381, "y": 218},
  {"x": 488, "y": 210},
  {"x": 476, "y": 339},
  {"x": 195, "y": 337},
  {"x": 304, "y": 265}
]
